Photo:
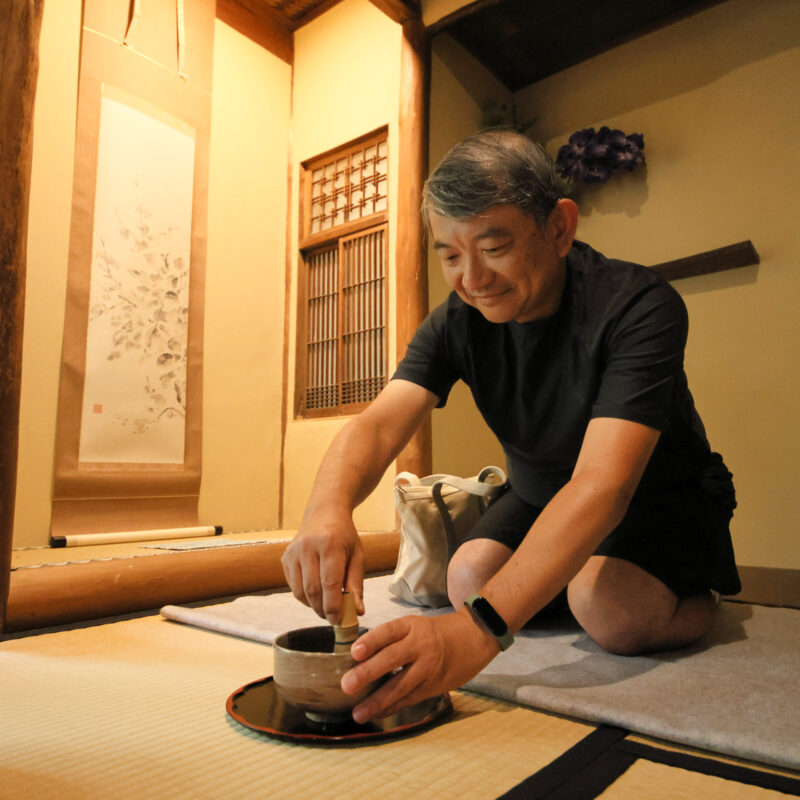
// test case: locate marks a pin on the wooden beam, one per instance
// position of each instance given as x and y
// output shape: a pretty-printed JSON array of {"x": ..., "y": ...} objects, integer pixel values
[
  {"x": 741, "y": 254},
  {"x": 312, "y": 13},
  {"x": 769, "y": 586},
  {"x": 63, "y": 593},
  {"x": 460, "y": 13},
  {"x": 401, "y": 11},
  {"x": 20, "y": 25},
  {"x": 259, "y": 23},
  {"x": 412, "y": 261}
]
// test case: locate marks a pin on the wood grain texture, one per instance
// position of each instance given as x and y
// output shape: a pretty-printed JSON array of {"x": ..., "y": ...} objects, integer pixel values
[
  {"x": 65, "y": 593},
  {"x": 412, "y": 262},
  {"x": 261, "y": 24},
  {"x": 20, "y": 25},
  {"x": 741, "y": 254}
]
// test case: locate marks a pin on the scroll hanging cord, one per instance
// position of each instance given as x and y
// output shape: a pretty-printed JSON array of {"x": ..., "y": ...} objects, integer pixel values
[{"x": 135, "y": 12}]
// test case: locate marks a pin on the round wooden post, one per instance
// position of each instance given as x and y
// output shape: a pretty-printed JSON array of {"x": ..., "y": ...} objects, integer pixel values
[
  {"x": 412, "y": 260},
  {"x": 20, "y": 25}
]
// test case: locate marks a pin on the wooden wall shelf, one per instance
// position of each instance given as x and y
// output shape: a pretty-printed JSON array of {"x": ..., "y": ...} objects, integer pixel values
[{"x": 741, "y": 254}]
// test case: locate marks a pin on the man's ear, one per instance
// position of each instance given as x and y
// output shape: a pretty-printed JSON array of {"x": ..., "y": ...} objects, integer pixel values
[{"x": 563, "y": 223}]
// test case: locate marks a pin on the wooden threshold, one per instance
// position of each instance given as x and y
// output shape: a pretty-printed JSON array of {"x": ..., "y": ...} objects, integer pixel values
[
  {"x": 769, "y": 586},
  {"x": 56, "y": 594}
]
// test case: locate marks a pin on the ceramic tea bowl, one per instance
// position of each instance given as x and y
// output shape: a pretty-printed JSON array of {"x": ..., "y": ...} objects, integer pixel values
[{"x": 307, "y": 674}]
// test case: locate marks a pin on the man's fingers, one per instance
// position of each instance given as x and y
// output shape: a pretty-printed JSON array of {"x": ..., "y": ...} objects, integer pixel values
[
  {"x": 316, "y": 563},
  {"x": 294, "y": 577},
  {"x": 380, "y": 638},
  {"x": 381, "y": 651},
  {"x": 332, "y": 567},
  {"x": 354, "y": 580},
  {"x": 311, "y": 584},
  {"x": 399, "y": 691}
]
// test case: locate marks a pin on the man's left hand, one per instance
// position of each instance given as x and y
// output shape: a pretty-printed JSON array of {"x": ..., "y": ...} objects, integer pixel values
[{"x": 428, "y": 656}]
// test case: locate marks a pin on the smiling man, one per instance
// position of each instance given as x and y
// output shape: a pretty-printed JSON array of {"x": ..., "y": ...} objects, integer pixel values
[{"x": 615, "y": 504}]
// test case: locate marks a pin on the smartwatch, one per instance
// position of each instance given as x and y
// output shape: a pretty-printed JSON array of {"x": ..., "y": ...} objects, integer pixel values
[{"x": 485, "y": 613}]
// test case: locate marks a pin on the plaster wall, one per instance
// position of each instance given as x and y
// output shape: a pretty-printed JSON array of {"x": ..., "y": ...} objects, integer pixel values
[
  {"x": 460, "y": 87},
  {"x": 346, "y": 83},
  {"x": 244, "y": 304}
]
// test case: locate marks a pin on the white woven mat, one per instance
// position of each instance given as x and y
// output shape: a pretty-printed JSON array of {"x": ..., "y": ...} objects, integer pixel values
[{"x": 737, "y": 692}]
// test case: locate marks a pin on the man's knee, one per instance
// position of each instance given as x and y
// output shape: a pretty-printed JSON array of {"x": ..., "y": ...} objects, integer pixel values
[
  {"x": 619, "y": 605},
  {"x": 461, "y": 581},
  {"x": 472, "y": 565},
  {"x": 618, "y": 632}
]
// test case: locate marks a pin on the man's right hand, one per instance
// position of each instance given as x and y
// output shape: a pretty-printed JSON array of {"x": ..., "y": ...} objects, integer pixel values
[
  {"x": 326, "y": 555},
  {"x": 324, "y": 558}
]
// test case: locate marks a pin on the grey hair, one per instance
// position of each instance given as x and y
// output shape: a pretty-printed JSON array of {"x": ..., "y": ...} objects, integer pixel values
[{"x": 493, "y": 167}]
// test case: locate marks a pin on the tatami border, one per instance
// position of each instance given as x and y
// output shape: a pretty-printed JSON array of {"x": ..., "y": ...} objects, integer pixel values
[{"x": 588, "y": 768}]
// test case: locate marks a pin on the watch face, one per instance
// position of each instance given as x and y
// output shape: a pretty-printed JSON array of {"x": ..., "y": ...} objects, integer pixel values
[{"x": 492, "y": 619}]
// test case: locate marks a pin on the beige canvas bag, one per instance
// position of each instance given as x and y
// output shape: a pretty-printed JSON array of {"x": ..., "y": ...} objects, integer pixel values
[{"x": 436, "y": 513}]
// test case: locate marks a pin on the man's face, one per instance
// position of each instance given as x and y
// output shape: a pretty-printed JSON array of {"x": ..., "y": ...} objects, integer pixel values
[{"x": 501, "y": 263}]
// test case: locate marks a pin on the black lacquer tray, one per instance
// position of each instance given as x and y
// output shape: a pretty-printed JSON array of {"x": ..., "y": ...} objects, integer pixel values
[{"x": 259, "y": 706}]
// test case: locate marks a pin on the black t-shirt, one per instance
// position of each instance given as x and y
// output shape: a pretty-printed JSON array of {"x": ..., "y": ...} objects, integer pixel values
[{"x": 614, "y": 349}]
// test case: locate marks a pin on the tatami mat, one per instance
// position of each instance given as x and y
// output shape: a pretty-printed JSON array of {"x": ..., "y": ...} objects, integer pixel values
[
  {"x": 660, "y": 782},
  {"x": 608, "y": 762},
  {"x": 136, "y": 709}
]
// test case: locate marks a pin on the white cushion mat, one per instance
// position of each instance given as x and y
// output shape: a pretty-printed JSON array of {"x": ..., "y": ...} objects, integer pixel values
[{"x": 736, "y": 692}]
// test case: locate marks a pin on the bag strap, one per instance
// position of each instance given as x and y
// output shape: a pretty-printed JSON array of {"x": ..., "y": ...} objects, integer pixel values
[
  {"x": 407, "y": 477},
  {"x": 478, "y": 487},
  {"x": 447, "y": 520},
  {"x": 496, "y": 471}
]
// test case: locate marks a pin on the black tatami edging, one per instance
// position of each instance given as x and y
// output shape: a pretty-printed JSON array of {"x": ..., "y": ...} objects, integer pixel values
[
  {"x": 710, "y": 766},
  {"x": 594, "y": 763},
  {"x": 579, "y": 760}
]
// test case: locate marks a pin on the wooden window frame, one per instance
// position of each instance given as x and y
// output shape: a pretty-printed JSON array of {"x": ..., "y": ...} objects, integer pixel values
[{"x": 334, "y": 237}]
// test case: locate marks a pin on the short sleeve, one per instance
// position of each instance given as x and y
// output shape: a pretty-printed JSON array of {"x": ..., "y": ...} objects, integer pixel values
[
  {"x": 644, "y": 358},
  {"x": 426, "y": 361}
]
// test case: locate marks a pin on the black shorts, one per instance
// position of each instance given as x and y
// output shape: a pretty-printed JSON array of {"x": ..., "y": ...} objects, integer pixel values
[{"x": 680, "y": 536}]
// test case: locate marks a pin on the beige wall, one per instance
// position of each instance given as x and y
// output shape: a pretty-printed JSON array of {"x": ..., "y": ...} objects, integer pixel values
[
  {"x": 716, "y": 98},
  {"x": 346, "y": 83},
  {"x": 461, "y": 442},
  {"x": 244, "y": 280},
  {"x": 244, "y": 309}
]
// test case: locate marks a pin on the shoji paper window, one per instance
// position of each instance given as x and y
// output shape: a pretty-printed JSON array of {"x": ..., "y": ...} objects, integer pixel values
[{"x": 342, "y": 347}]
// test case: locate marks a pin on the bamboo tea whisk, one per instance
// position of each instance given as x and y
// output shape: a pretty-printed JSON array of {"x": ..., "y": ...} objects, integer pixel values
[{"x": 346, "y": 632}]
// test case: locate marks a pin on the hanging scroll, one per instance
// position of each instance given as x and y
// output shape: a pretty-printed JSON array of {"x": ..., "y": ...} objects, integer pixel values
[
  {"x": 134, "y": 391},
  {"x": 128, "y": 449}
]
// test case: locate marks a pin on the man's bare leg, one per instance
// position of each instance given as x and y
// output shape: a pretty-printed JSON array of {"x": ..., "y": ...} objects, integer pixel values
[
  {"x": 471, "y": 567},
  {"x": 628, "y": 611}
]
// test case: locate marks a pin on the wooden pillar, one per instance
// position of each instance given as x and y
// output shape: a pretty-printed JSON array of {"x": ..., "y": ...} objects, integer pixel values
[
  {"x": 412, "y": 261},
  {"x": 20, "y": 25}
]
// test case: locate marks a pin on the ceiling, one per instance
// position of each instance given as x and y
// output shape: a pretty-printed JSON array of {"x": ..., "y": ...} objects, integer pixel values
[
  {"x": 295, "y": 12},
  {"x": 518, "y": 41},
  {"x": 522, "y": 41}
]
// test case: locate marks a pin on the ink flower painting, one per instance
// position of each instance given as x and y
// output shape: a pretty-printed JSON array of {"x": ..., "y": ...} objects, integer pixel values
[{"x": 134, "y": 399}]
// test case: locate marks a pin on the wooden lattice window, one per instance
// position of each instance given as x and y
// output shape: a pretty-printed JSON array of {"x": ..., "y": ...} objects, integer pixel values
[{"x": 342, "y": 348}]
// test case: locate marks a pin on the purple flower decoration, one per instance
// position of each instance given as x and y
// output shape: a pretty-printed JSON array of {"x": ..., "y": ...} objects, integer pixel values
[{"x": 591, "y": 156}]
